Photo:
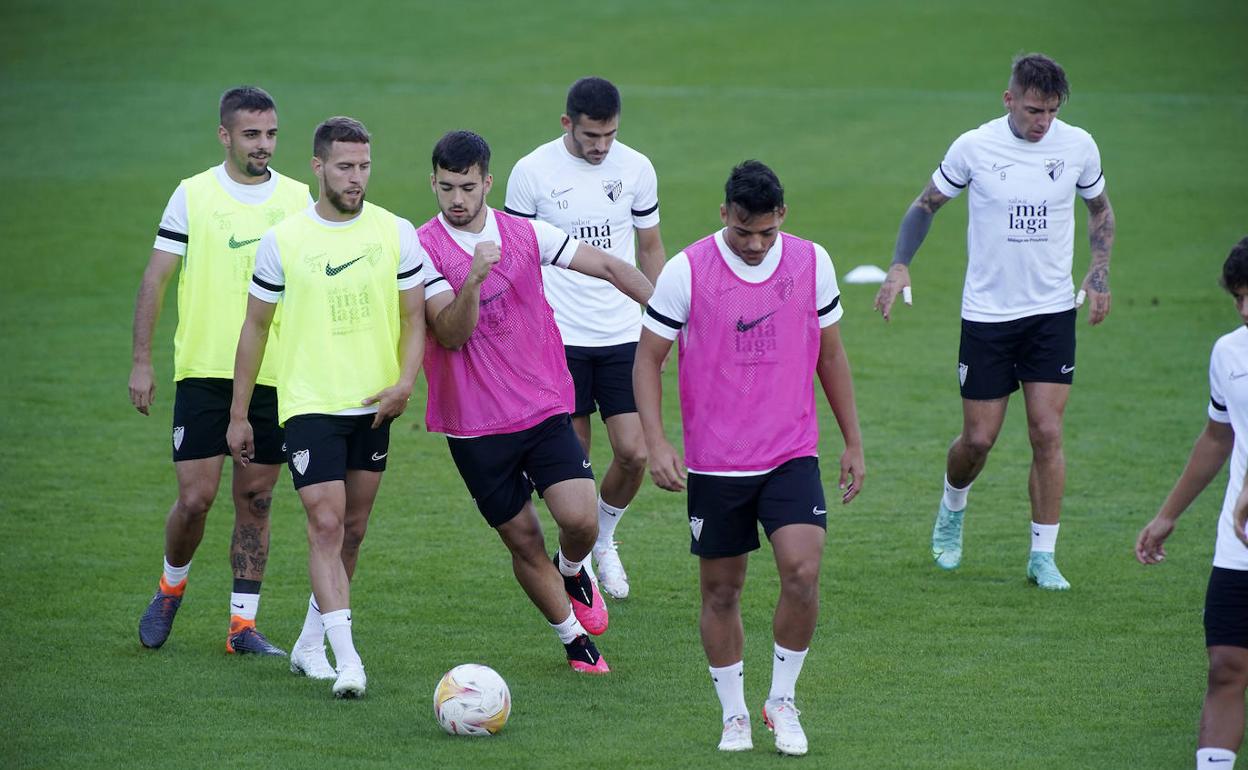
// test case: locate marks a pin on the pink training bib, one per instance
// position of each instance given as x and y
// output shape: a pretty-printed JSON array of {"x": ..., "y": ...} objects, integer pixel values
[
  {"x": 747, "y": 362},
  {"x": 511, "y": 373}
]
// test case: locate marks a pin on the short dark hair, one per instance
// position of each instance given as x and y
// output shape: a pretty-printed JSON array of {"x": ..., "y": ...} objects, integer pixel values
[
  {"x": 338, "y": 129},
  {"x": 754, "y": 188},
  {"x": 459, "y": 151},
  {"x": 1235, "y": 268},
  {"x": 595, "y": 98},
  {"x": 249, "y": 98},
  {"x": 1037, "y": 72}
]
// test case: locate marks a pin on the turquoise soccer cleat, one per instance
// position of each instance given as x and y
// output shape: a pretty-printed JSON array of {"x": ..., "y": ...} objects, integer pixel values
[
  {"x": 947, "y": 538},
  {"x": 1042, "y": 570}
]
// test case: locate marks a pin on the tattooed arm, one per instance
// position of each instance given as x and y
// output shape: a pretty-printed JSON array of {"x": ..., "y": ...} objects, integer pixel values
[
  {"x": 914, "y": 227},
  {"x": 1101, "y": 236}
]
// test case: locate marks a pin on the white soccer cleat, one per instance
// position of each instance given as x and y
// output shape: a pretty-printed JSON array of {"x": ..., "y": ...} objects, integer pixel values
[
  {"x": 311, "y": 662},
  {"x": 736, "y": 735},
  {"x": 351, "y": 682},
  {"x": 611, "y": 575},
  {"x": 780, "y": 716}
]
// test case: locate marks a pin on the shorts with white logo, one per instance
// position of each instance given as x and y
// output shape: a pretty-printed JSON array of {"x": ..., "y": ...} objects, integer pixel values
[
  {"x": 501, "y": 471},
  {"x": 603, "y": 375},
  {"x": 993, "y": 358},
  {"x": 1226, "y": 608},
  {"x": 201, "y": 416},
  {"x": 725, "y": 511},
  {"x": 323, "y": 447}
]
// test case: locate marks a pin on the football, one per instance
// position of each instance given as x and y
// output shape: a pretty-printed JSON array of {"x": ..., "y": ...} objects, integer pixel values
[{"x": 472, "y": 700}]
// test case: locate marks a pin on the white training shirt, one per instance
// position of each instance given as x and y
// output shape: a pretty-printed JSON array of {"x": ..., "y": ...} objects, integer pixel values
[
  {"x": 414, "y": 270},
  {"x": 556, "y": 246},
  {"x": 1021, "y": 234},
  {"x": 1228, "y": 403},
  {"x": 600, "y": 205},
  {"x": 668, "y": 309},
  {"x": 174, "y": 220}
]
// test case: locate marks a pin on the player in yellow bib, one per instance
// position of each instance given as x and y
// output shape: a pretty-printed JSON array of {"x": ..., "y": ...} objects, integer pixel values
[
  {"x": 210, "y": 229},
  {"x": 350, "y": 280}
]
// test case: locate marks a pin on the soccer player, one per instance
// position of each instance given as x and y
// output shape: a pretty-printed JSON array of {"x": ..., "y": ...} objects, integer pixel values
[
  {"x": 210, "y": 228},
  {"x": 500, "y": 390},
  {"x": 756, "y": 312},
  {"x": 601, "y": 192},
  {"x": 1226, "y": 601},
  {"x": 1024, "y": 170},
  {"x": 349, "y": 276}
]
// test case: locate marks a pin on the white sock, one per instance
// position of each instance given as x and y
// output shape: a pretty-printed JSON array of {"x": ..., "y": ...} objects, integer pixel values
[
  {"x": 786, "y": 666},
  {"x": 1221, "y": 758},
  {"x": 569, "y": 629},
  {"x": 569, "y": 568},
  {"x": 338, "y": 628},
  {"x": 244, "y": 606},
  {"x": 730, "y": 687},
  {"x": 312, "y": 637},
  {"x": 608, "y": 518},
  {"x": 955, "y": 499},
  {"x": 175, "y": 575},
  {"x": 1044, "y": 537}
]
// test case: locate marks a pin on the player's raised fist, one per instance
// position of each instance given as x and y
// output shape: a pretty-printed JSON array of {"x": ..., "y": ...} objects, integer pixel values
[{"x": 484, "y": 257}]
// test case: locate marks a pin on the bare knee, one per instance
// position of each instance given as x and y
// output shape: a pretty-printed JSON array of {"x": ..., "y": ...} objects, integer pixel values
[
  {"x": 581, "y": 529},
  {"x": 1046, "y": 435},
  {"x": 324, "y": 530},
  {"x": 353, "y": 537},
  {"x": 524, "y": 541},
  {"x": 632, "y": 459},
  {"x": 256, "y": 502},
  {"x": 977, "y": 443},
  {"x": 194, "y": 501},
  {"x": 721, "y": 596},
  {"x": 800, "y": 581},
  {"x": 1228, "y": 669}
]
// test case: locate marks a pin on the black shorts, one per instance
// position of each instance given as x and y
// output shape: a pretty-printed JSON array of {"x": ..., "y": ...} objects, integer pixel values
[
  {"x": 1226, "y": 608},
  {"x": 724, "y": 511},
  {"x": 603, "y": 376},
  {"x": 323, "y": 447},
  {"x": 993, "y": 358},
  {"x": 201, "y": 416},
  {"x": 501, "y": 471}
]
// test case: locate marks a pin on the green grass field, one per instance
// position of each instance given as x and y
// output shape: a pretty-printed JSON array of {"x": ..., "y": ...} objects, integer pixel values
[{"x": 107, "y": 105}]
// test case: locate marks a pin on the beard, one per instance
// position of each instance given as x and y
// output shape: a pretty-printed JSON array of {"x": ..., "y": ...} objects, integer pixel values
[
  {"x": 253, "y": 166},
  {"x": 459, "y": 219},
  {"x": 335, "y": 198}
]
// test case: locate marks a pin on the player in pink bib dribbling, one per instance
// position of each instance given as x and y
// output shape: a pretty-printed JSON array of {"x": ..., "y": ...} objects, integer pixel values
[{"x": 500, "y": 390}]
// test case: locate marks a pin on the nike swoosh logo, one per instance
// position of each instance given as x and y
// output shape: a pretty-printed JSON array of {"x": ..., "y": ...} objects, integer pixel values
[
  {"x": 742, "y": 326},
  {"x": 818, "y": 512},
  {"x": 239, "y": 244},
  {"x": 332, "y": 271},
  {"x": 999, "y": 166},
  {"x": 779, "y": 657},
  {"x": 1036, "y": 532},
  {"x": 1236, "y": 376},
  {"x": 585, "y": 463},
  {"x": 557, "y": 193},
  {"x": 1067, "y": 369},
  {"x": 381, "y": 456},
  {"x": 239, "y": 606},
  {"x": 492, "y": 297}
]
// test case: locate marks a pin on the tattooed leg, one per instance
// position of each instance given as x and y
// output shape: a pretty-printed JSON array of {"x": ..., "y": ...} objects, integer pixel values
[{"x": 253, "y": 500}]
